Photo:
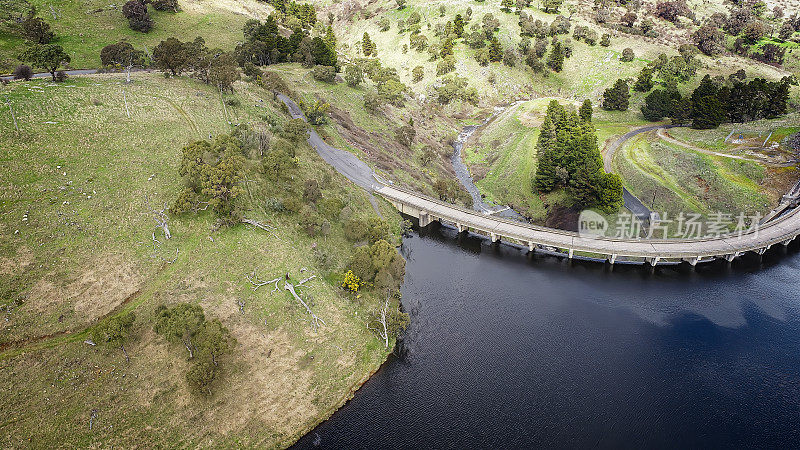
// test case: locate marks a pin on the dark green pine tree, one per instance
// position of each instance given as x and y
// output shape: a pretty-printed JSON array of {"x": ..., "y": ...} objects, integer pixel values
[
  {"x": 708, "y": 111},
  {"x": 555, "y": 60},
  {"x": 586, "y": 111},
  {"x": 617, "y": 98},
  {"x": 495, "y": 50},
  {"x": 458, "y": 25}
]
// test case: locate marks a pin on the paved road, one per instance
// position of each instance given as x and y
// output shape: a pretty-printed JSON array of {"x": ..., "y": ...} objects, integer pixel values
[
  {"x": 343, "y": 161},
  {"x": 71, "y": 73},
  {"x": 632, "y": 203}
]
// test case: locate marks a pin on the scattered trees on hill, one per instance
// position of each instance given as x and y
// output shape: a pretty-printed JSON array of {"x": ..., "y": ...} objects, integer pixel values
[
  {"x": 617, "y": 98},
  {"x": 46, "y": 56},
  {"x": 265, "y": 44},
  {"x": 709, "y": 40},
  {"x": 568, "y": 157}
]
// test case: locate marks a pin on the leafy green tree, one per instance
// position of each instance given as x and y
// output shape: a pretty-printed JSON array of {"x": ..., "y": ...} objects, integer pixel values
[
  {"x": 180, "y": 324},
  {"x": 279, "y": 161},
  {"x": 170, "y": 55},
  {"x": 222, "y": 71},
  {"x": 627, "y": 55},
  {"x": 36, "y": 30},
  {"x": 495, "y": 50},
  {"x": 165, "y": 5},
  {"x": 212, "y": 339},
  {"x": 316, "y": 112},
  {"x": 212, "y": 170},
  {"x": 121, "y": 54},
  {"x": 551, "y": 6},
  {"x": 458, "y": 25},
  {"x": 418, "y": 74},
  {"x": 46, "y": 56},
  {"x": 659, "y": 104},
  {"x": 506, "y": 5},
  {"x": 115, "y": 331},
  {"x": 138, "y": 17},
  {"x": 617, "y": 98}
]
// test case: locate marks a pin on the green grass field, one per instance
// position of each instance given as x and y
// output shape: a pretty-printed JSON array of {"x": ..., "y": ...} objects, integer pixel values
[
  {"x": 77, "y": 247},
  {"x": 84, "y": 27}
]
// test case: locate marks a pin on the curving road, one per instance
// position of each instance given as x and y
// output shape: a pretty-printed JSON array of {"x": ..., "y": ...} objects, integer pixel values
[
  {"x": 632, "y": 203},
  {"x": 343, "y": 161}
]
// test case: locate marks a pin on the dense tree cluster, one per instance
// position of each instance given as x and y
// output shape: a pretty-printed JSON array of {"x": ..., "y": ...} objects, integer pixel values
[
  {"x": 211, "y": 173},
  {"x": 711, "y": 104},
  {"x": 205, "y": 340},
  {"x": 378, "y": 264},
  {"x": 265, "y": 44},
  {"x": 568, "y": 157}
]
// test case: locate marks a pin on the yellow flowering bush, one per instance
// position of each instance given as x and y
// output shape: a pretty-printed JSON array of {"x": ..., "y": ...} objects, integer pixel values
[{"x": 351, "y": 282}]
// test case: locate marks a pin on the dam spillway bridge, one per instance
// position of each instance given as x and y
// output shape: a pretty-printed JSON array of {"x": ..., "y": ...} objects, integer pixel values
[{"x": 778, "y": 231}]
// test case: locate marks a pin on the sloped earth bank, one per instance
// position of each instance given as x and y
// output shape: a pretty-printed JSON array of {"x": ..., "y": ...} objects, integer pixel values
[{"x": 505, "y": 350}]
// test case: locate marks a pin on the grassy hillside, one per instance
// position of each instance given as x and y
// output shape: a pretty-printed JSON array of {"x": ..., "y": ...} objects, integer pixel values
[
  {"x": 80, "y": 179},
  {"x": 84, "y": 27}
]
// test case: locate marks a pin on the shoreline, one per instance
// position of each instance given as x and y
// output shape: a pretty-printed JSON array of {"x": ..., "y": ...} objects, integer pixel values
[{"x": 328, "y": 413}]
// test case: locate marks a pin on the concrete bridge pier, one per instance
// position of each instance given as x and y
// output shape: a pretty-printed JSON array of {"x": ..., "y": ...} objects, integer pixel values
[
  {"x": 461, "y": 228},
  {"x": 612, "y": 259},
  {"x": 653, "y": 261},
  {"x": 531, "y": 247},
  {"x": 424, "y": 219},
  {"x": 729, "y": 258},
  {"x": 494, "y": 237},
  {"x": 692, "y": 261},
  {"x": 571, "y": 252},
  {"x": 787, "y": 242}
]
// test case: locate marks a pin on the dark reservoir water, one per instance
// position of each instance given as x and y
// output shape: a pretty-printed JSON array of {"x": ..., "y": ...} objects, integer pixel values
[{"x": 506, "y": 350}]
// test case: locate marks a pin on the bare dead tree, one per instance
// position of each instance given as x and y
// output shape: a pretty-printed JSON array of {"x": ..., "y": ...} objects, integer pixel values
[
  {"x": 382, "y": 320},
  {"x": 256, "y": 282},
  {"x": 257, "y": 224}
]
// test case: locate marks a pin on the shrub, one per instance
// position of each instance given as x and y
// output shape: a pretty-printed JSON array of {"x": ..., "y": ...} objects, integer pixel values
[
  {"x": 23, "y": 72},
  {"x": 324, "y": 73},
  {"x": 627, "y": 55},
  {"x": 61, "y": 76}
]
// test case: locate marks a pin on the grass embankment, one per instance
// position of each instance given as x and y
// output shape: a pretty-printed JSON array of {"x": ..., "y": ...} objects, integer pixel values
[
  {"x": 84, "y": 27},
  {"x": 77, "y": 247},
  {"x": 674, "y": 179}
]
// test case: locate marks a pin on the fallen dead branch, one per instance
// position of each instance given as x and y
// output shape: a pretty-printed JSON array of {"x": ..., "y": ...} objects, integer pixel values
[{"x": 315, "y": 321}]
